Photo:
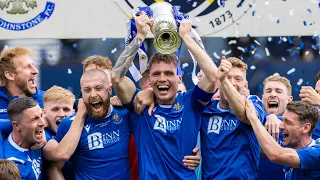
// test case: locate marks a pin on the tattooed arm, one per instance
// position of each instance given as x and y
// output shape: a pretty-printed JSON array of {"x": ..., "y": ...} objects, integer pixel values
[{"x": 123, "y": 86}]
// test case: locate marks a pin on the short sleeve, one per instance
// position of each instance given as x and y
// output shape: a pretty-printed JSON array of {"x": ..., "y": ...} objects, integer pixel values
[
  {"x": 197, "y": 94},
  {"x": 63, "y": 128},
  {"x": 258, "y": 105},
  {"x": 309, "y": 157}
]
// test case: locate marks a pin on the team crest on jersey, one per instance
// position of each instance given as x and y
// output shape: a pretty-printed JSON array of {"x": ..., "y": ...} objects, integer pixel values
[
  {"x": 116, "y": 119},
  {"x": 20, "y": 15},
  {"x": 177, "y": 106},
  {"x": 208, "y": 16}
]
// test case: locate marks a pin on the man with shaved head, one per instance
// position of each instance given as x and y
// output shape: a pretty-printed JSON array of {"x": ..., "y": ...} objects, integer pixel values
[{"x": 102, "y": 152}]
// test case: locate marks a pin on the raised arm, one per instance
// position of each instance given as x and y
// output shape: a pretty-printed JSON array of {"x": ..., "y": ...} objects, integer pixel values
[
  {"x": 123, "y": 86},
  {"x": 54, "y": 151},
  {"x": 235, "y": 100},
  {"x": 276, "y": 153},
  {"x": 206, "y": 64}
]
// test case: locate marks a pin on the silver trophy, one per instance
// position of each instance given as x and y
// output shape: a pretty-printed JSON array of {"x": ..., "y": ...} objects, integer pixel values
[{"x": 166, "y": 40}]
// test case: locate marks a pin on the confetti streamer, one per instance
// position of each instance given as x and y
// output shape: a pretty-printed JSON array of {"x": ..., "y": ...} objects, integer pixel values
[
  {"x": 284, "y": 39},
  {"x": 184, "y": 65},
  {"x": 257, "y": 42},
  {"x": 306, "y": 53},
  {"x": 267, "y": 51},
  {"x": 114, "y": 50},
  {"x": 252, "y": 67},
  {"x": 291, "y": 71},
  {"x": 232, "y": 42},
  {"x": 241, "y": 49},
  {"x": 291, "y": 12},
  {"x": 224, "y": 52},
  {"x": 304, "y": 23},
  {"x": 290, "y": 40},
  {"x": 216, "y": 55},
  {"x": 69, "y": 71},
  {"x": 300, "y": 82},
  {"x": 194, "y": 4}
]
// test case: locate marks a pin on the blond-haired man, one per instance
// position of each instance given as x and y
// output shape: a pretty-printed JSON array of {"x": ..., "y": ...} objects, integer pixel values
[
  {"x": 276, "y": 95},
  {"x": 229, "y": 148},
  {"x": 58, "y": 104},
  {"x": 18, "y": 74}
]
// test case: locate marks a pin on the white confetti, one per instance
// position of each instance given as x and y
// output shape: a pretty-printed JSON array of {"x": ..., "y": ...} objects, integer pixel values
[
  {"x": 267, "y": 52},
  {"x": 232, "y": 42},
  {"x": 291, "y": 71},
  {"x": 237, "y": 34},
  {"x": 291, "y": 12},
  {"x": 240, "y": 48},
  {"x": 224, "y": 52},
  {"x": 252, "y": 67},
  {"x": 104, "y": 39},
  {"x": 306, "y": 53},
  {"x": 194, "y": 4},
  {"x": 257, "y": 42},
  {"x": 5, "y": 47},
  {"x": 283, "y": 59},
  {"x": 269, "y": 39},
  {"x": 69, "y": 71},
  {"x": 184, "y": 65},
  {"x": 216, "y": 55},
  {"x": 252, "y": 52},
  {"x": 114, "y": 50},
  {"x": 284, "y": 39},
  {"x": 300, "y": 82}
]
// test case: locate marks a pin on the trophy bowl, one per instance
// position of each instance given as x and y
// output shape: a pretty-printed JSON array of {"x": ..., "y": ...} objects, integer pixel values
[{"x": 167, "y": 39}]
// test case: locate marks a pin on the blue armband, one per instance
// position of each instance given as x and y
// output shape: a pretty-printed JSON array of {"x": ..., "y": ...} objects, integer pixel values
[{"x": 201, "y": 95}]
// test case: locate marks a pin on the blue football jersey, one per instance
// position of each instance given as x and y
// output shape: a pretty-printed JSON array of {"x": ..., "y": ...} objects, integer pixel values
[
  {"x": 163, "y": 139},
  {"x": 309, "y": 164},
  {"x": 67, "y": 170},
  {"x": 29, "y": 162},
  {"x": 5, "y": 124},
  {"x": 229, "y": 147},
  {"x": 316, "y": 132},
  {"x": 267, "y": 169},
  {"x": 102, "y": 152},
  {"x": 1, "y": 145},
  {"x": 49, "y": 134}
]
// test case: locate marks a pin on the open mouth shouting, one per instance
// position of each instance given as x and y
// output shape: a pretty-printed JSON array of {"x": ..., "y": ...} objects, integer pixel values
[
  {"x": 31, "y": 82},
  {"x": 39, "y": 133},
  {"x": 273, "y": 105},
  {"x": 58, "y": 122},
  {"x": 96, "y": 104},
  {"x": 163, "y": 89}
]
